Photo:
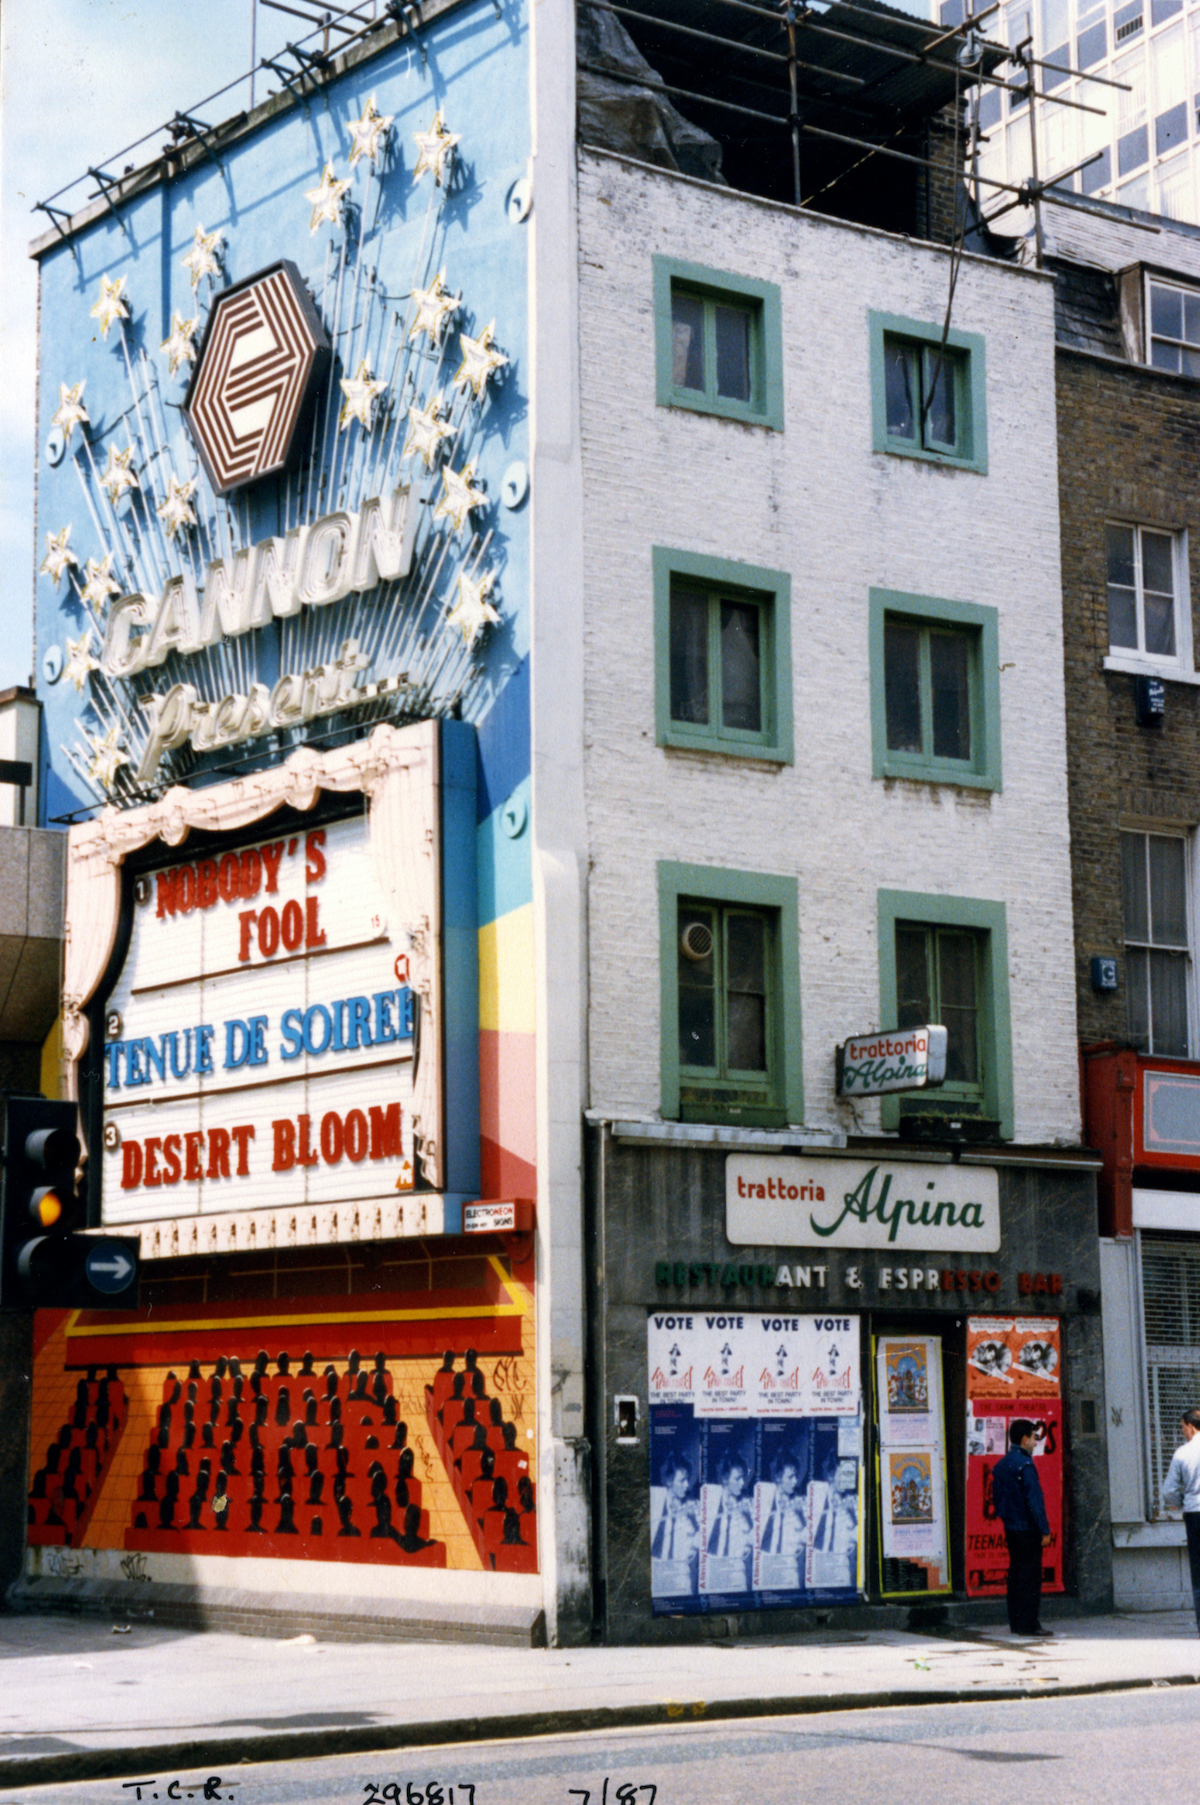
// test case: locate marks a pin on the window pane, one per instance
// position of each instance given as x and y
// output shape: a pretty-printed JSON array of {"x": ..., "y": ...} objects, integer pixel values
[
  {"x": 747, "y": 1033},
  {"x": 1168, "y": 1004},
  {"x": 1137, "y": 992},
  {"x": 958, "y": 1006},
  {"x": 1191, "y": 319},
  {"x": 912, "y": 978},
  {"x": 746, "y": 952},
  {"x": 1134, "y": 912},
  {"x": 1166, "y": 311},
  {"x": 687, "y": 341},
  {"x": 733, "y": 353},
  {"x": 1157, "y": 564},
  {"x": 902, "y": 685},
  {"x": 697, "y": 996},
  {"x": 1168, "y": 892},
  {"x": 741, "y": 667},
  {"x": 950, "y": 678},
  {"x": 1160, "y": 625},
  {"x": 1122, "y": 617},
  {"x": 689, "y": 657},
  {"x": 746, "y": 984},
  {"x": 940, "y": 423},
  {"x": 1118, "y": 551},
  {"x": 899, "y": 373},
  {"x": 1122, "y": 598}
]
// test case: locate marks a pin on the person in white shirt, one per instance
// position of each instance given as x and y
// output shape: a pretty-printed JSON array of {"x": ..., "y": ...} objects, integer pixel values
[
  {"x": 676, "y": 1535},
  {"x": 1181, "y": 1491}
]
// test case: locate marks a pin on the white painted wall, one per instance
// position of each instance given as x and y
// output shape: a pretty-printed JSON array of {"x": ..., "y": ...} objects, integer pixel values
[
  {"x": 816, "y": 501},
  {"x": 20, "y": 715}
]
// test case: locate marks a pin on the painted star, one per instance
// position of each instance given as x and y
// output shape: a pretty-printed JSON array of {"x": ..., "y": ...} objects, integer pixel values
[
  {"x": 179, "y": 347},
  {"x": 426, "y": 430},
  {"x": 174, "y": 512},
  {"x": 435, "y": 304},
  {"x": 473, "y": 612},
  {"x": 459, "y": 498},
  {"x": 435, "y": 147},
  {"x": 71, "y": 411},
  {"x": 106, "y": 758},
  {"x": 110, "y": 307},
  {"x": 360, "y": 391},
  {"x": 80, "y": 660},
  {"x": 58, "y": 555},
  {"x": 479, "y": 359},
  {"x": 203, "y": 259},
  {"x": 98, "y": 583},
  {"x": 327, "y": 199},
  {"x": 117, "y": 476},
  {"x": 369, "y": 134}
]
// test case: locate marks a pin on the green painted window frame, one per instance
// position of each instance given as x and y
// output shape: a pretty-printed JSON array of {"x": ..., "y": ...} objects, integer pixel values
[
  {"x": 982, "y": 771},
  {"x": 773, "y": 895},
  {"x": 776, "y": 742},
  {"x": 763, "y": 300},
  {"x": 970, "y": 365},
  {"x": 989, "y": 921}
]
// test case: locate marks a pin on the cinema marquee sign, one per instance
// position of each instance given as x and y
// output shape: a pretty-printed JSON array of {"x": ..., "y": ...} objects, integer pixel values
[
  {"x": 782, "y": 1199},
  {"x": 274, "y": 1035}
]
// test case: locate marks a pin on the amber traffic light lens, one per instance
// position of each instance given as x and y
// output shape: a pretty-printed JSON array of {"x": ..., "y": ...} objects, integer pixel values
[{"x": 46, "y": 1208}]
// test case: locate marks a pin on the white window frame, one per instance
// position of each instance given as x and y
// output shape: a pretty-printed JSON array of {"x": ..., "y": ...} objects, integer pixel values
[
  {"x": 1167, "y": 830},
  {"x": 1185, "y": 288},
  {"x": 1181, "y": 667}
]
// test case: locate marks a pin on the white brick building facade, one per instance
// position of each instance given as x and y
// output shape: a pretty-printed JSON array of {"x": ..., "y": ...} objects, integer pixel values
[{"x": 817, "y": 502}]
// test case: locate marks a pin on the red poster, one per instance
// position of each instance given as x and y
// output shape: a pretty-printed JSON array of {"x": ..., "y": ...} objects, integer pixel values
[{"x": 987, "y": 1440}]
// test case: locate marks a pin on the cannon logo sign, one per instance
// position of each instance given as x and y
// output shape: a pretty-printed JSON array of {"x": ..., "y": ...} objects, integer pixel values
[{"x": 259, "y": 1044}]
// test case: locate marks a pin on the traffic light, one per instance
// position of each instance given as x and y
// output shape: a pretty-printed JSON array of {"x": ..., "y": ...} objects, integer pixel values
[{"x": 44, "y": 1260}]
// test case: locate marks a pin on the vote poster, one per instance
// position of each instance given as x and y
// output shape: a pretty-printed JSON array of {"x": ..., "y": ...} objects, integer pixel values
[
  {"x": 755, "y": 1461},
  {"x": 1031, "y": 1380}
]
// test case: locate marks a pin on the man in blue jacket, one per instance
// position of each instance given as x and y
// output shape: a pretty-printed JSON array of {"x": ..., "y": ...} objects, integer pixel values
[
  {"x": 1181, "y": 1490},
  {"x": 1017, "y": 1496}
]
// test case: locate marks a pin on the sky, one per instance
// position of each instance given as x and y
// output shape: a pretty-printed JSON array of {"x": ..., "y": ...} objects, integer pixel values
[{"x": 80, "y": 80}]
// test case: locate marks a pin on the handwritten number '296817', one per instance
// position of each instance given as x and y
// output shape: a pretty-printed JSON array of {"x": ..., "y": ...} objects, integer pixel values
[{"x": 433, "y": 1793}]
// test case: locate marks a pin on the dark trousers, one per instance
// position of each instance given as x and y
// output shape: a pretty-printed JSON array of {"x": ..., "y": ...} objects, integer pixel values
[
  {"x": 1025, "y": 1579},
  {"x": 1191, "y": 1522}
]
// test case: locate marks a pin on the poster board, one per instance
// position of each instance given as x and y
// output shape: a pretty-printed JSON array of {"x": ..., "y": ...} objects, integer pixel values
[
  {"x": 1014, "y": 1368},
  {"x": 755, "y": 1461},
  {"x": 912, "y": 1457}
]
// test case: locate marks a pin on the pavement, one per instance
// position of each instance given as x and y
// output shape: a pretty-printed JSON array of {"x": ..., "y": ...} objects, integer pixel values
[{"x": 87, "y": 1699}]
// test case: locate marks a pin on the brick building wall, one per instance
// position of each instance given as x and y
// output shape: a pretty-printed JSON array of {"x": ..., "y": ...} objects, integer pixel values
[
  {"x": 1129, "y": 450},
  {"x": 815, "y": 501}
]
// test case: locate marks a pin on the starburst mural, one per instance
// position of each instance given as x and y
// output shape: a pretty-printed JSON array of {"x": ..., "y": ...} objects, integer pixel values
[{"x": 412, "y": 376}]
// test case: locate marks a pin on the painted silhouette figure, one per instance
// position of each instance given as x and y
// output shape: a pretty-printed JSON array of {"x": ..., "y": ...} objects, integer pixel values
[
  {"x": 411, "y": 1541},
  {"x": 383, "y": 1519},
  {"x": 346, "y": 1512}
]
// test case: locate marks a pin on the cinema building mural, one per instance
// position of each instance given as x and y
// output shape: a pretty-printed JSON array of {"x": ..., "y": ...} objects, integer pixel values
[{"x": 283, "y": 640}]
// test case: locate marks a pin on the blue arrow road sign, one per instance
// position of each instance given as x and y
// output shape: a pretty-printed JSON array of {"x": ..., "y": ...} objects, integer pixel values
[{"x": 109, "y": 1268}]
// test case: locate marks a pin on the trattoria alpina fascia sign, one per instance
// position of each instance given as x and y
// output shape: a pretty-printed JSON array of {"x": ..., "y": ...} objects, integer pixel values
[
  {"x": 892, "y": 1059},
  {"x": 782, "y": 1198}
]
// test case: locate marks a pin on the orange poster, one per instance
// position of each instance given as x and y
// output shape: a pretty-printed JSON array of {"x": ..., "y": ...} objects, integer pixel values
[{"x": 1014, "y": 1357}]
